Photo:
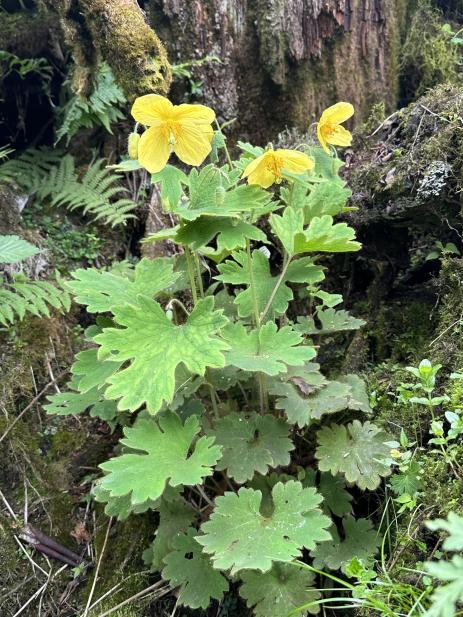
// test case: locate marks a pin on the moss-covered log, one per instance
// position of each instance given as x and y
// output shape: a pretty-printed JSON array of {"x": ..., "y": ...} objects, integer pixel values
[{"x": 115, "y": 31}]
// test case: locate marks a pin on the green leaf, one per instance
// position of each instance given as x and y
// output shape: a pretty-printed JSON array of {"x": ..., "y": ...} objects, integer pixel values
[
  {"x": 337, "y": 321},
  {"x": 72, "y": 402},
  {"x": 333, "y": 490},
  {"x": 14, "y": 249},
  {"x": 265, "y": 349},
  {"x": 454, "y": 527},
  {"x": 236, "y": 272},
  {"x": 358, "y": 451},
  {"x": 326, "y": 198},
  {"x": 212, "y": 195},
  {"x": 189, "y": 569},
  {"x": 90, "y": 371},
  {"x": 101, "y": 290},
  {"x": 119, "y": 507},
  {"x": 278, "y": 592},
  {"x": 287, "y": 227},
  {"x": 446, "y": 597},
  {"x": 360, "y": 540},
  {"x": 322, "y": 235},
  {"x": 326, "y": 166},
  {"x": 171, "y": 180},
  {"x": 231, "y": 233},
  {"x": 251, "y": 443},
  {"x": 239, "y": 537},
  {"x": 174, "y": 519},
  {"x": 408, "y": 481},
  {"x": 165, "y": 454},
  {"x": 155, "y": 347}
]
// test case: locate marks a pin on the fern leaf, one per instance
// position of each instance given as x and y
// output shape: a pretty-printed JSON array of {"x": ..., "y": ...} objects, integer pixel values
[{"x": 35, "y": 297}]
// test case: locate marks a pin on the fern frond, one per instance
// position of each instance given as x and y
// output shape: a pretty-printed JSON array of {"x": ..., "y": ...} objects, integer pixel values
[
  {"x": 29, "y": 170},
  {"x": 94, "y": 194},
  {"x": 35, "y": 297},
  {"x": 102, "y": 107}
]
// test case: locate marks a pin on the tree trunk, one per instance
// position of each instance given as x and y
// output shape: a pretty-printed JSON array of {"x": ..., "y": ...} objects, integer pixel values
[{"x": 283, "y": 61}]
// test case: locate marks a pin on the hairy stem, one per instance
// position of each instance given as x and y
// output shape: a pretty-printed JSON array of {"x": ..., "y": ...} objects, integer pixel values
[{"x": 276, "y": 288}]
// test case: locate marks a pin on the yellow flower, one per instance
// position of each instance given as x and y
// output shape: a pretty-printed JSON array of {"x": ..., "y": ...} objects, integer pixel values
[
  {"x": 267, "y": 168},
  {"x": 183, "y": 129},
  {"x": 132, "y": 146},
  {"x": 329, "y": 129}
]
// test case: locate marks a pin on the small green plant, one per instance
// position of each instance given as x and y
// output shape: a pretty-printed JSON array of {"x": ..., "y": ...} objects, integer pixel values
[
  {"x": 232, "y": 432},
  {"x": 443, "y": 250}
]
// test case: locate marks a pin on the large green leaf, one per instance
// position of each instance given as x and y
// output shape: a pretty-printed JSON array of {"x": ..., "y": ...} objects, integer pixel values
[
  {"x": 323, "y": 235},
  {"x": 326, "y": 198},
  {"x": 155, "y": 347},
  {"x": 265, "y": 349},
  {"x": 238, "y": 536},
  {"x": 358, "y": 451},
  {"x": 101, "y": 291},
  {"x": 448, "y": 596},
  {"x": 165, "y": 454},
  {"x": 360, "y": 540},
  {"x": 120, "y": 507},
  {"x": 278, "y": 592},
  {"x": 251, "y": 443},
  {"x": 188, "y": 568},
  {"x": 14, "y": 249},
  {"x": 231, "y": 233},
  {"x": 331, "y": 321}
]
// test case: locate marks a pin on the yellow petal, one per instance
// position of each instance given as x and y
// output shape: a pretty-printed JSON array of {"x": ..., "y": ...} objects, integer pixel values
[
  {"x": 259, "y": 171},
  {"x": 153, "y": 149},
  {"x": 199, "y": 114},
  {"x": 193, "y": 142},
  {"x": 252, "y": 166},
  {"x": 152, "y": 109},
  {"x": 295, "y": 161},
  {"x": 340, "y": 137},
  {"x": 340, "y": 112},
  {"x": 321, "y": 138}
]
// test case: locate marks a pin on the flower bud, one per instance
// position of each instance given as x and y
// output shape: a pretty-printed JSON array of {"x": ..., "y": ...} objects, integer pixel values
[{"x": 132, "y": 146}]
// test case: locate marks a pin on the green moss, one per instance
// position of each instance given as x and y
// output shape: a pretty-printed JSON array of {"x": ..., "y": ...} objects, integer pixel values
[
  {"x": 448, "y": 344},
  {"x": 428, "y": 57}
]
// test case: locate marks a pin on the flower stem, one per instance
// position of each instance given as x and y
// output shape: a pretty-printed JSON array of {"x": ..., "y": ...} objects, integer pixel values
[
  {"x": 191, "y": 274},
  {"x": 227, "y": 153},
  {"x": 276, "y": 288}
]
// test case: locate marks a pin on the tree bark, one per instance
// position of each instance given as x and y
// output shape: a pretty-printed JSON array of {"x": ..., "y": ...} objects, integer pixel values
[
  {"x": 283, "y": 61},
  {"x": 116, "y": 31}
]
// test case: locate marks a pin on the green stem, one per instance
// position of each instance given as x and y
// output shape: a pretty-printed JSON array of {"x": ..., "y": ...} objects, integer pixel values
[
  {"x": 227, "y": 153},
  {"x": 198, "y": 272},
  {"x": 276, "y": 288},
  {"x": 191, "y": 274},
  {"x": 263, "y": 400}
]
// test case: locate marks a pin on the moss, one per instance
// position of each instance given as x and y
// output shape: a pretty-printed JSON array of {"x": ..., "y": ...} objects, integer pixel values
[
  {"x": 27, "y": 33},
  {"x": 132, "y": 49},
  {"x": 448, "y": 346},
  {"x": 428, "y": 57}
]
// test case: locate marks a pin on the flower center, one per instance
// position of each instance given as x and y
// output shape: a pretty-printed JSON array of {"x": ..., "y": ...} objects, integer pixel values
[
  {"x": 171, "y": 131},
  {"x": 274, "y": 164}
]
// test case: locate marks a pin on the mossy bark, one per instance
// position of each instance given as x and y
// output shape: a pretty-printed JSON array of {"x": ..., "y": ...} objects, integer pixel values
[{"x": 116, "y": 31}]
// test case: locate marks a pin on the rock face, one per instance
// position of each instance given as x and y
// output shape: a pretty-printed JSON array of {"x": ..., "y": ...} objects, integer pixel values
[{"x": 283, "y": 61}]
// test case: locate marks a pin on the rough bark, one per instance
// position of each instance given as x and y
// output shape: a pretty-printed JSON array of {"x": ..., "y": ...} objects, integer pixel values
[
  {"x": 116, "y": 31},
  {"x": 284, "y": 60}
]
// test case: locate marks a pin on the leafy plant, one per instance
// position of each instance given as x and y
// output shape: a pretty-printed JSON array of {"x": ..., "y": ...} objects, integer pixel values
[{"x": 209, "y": 354}]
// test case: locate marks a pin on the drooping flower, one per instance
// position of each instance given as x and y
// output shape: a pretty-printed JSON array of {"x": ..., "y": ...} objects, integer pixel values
[
  {"x": 268, "y": 167},
  {"x": 183, "y": 129},
  {"x": 329, "y": 129}
]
